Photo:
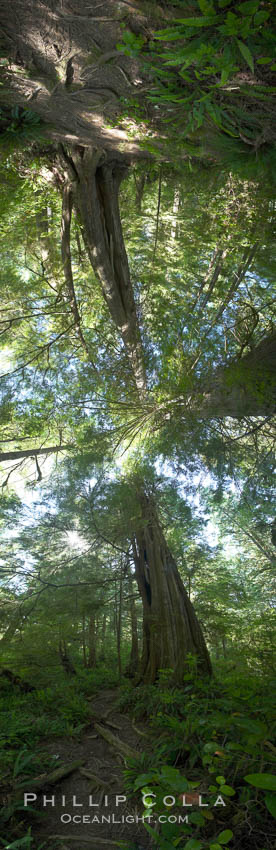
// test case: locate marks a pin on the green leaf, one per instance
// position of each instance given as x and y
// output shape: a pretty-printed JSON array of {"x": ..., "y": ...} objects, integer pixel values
[
  {"x": 246, "y": 54},
  {"x": 266, "y": 781},
  {"x": 197, "y": 818},
  {"x": 249, "y": 7},
  {"x": 227, "y": 791},
  {"x": 270, "y": 801},
  {"x": 220, "y": 780},
  {"x": 204, "y": 21},
  {"x": 211, "y": 746},
  {"x": 224, "y": 76},
  {"x": 155, "y": 835},
  {"x": 231, "y": 24},
  {"x": 193, "y": 844},
  {"x": 260, "y": 18},
  {"x": 140, "y": 780},
  {"x": 215, "y": 846},
  {"x": 225, "y": 836},
  {"x": 206, "y": 7},
  {"x": 264, "y": 60},
  {"x": 171, "y": 772}
]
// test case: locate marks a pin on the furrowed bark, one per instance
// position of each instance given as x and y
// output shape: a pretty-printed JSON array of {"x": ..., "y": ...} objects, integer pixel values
[
  {"x": 67, "y": 203},
  {"x": 96, "y": 197},
  {"x": 170, "y": 627}
]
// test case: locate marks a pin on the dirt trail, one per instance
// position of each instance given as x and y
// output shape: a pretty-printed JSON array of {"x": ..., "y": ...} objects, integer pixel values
[
  {"x": 105, "y": 820},
  {"x": 63, "y": 64}
]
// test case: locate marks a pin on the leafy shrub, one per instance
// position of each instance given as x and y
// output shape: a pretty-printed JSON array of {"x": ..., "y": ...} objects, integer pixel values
[
  {"x": 18, "y": 127},
  {"x": 210, "y": 738},
  {"x": 215, "y": 67}
]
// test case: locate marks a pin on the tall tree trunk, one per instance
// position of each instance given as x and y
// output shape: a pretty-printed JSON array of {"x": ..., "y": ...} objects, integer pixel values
[
  {"x": 119, "y": 609},
  {"x": 92, "y": 642},
  {"x": 96, "y": 196},
  {"x": 132, "y": 667},
  {"x": 170, "y": 628},
  {"x": 103, "y": 633},
  {"x": 84, "y": 654},
  {"x": 66, "y": 661}
]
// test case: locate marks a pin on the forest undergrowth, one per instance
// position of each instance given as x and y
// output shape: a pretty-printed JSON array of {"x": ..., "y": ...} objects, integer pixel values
[{"x": 206, "y": 742}]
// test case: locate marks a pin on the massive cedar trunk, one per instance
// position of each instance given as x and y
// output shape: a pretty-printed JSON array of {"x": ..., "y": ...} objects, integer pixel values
[
  {"x": 170, "y": 628},
  {"x": 96, "y": 196}
]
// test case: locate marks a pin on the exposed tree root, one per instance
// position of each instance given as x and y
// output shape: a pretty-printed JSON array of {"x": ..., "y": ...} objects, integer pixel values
[
  {"x": 116, "y": 743},
  {"x": 52, "y": 778},
  {"x": 85, "y": 840}
]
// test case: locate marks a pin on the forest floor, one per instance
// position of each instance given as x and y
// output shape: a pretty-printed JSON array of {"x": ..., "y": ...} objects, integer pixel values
[
  {"x": 90, "y": 736},
  {"x": 101, "y": 759}
]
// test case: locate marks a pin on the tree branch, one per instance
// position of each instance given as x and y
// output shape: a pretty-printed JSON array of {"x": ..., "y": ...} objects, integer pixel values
[{"x": 25, "y": 453}]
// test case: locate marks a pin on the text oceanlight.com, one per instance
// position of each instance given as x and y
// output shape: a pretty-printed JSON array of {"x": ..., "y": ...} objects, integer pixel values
[{"x": 67, "y": 818}]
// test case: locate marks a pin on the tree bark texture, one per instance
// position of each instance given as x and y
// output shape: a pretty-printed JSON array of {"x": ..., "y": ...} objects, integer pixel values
[
  {"x": 96, "y": 196},
  {"x": 170, "y": 628},
  {"x": 133, "y": 664},
  {"x": 245, "y": 387},
  {"x": 92, "y": 643}
]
